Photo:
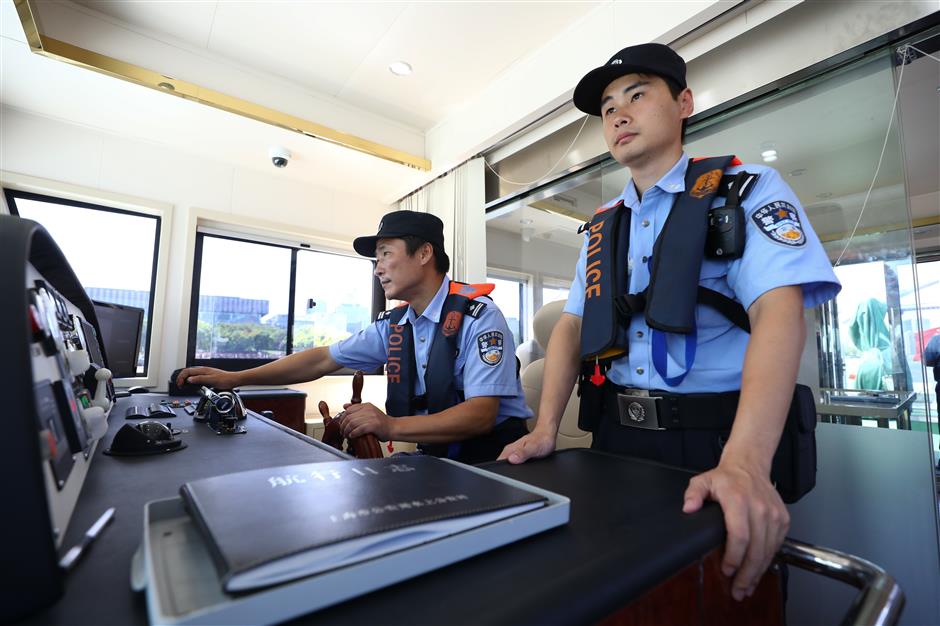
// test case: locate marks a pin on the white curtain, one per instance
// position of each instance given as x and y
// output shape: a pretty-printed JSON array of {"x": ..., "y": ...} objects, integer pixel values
[
  {"x": 457, "y": 198},
  {"x": 416, "y": 201}
]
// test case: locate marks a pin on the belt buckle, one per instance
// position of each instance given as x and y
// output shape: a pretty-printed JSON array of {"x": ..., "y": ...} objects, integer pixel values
[{"x": 638, "y": 409}]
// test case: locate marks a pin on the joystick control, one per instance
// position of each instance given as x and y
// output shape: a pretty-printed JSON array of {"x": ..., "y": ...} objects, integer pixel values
[{"x": 101, "y": 399}]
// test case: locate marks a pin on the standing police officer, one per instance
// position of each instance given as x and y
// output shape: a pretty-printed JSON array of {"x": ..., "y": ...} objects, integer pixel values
[
  {"x": 453, "y": 385},
  {"x": 668, "y": 318}
]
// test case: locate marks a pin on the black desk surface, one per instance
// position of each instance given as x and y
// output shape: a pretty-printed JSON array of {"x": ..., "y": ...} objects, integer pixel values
[{"x": 627, "y": 533}]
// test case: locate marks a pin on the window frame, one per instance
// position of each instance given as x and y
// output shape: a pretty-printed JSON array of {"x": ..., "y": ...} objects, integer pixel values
[
  {"x": 550, "y": 281},
  {"x": 45, "y": 190},
  {"x": 235, "y": 365},
  {"x": 528, "y": 290}
]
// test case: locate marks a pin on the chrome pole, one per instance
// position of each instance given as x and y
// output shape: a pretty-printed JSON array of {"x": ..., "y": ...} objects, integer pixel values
[{"x": 881, "y": 599}]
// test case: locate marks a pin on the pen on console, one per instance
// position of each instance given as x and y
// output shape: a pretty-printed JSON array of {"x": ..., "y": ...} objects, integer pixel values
[{"x": 75, "y": 552}]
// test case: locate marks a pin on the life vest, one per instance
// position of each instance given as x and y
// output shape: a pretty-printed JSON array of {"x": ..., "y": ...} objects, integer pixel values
[
  {"x": 439, "y": 380},
  {"x": 668, "y": 303}
]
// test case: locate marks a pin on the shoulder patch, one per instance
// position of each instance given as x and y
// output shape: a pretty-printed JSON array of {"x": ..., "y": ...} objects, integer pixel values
[
  {"x": 475, "y": 308},
  {"x": 490, "y": 347},
  {"x": 780, "y": 222}
]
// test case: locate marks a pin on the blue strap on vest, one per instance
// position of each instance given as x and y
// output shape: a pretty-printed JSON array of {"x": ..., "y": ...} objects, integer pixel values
[
  {"x": 673, "y": 309},
  {"x": 680, "y": 247}
]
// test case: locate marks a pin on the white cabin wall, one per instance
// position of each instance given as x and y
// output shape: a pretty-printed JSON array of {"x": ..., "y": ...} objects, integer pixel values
[{"x": 62, "y": 152}]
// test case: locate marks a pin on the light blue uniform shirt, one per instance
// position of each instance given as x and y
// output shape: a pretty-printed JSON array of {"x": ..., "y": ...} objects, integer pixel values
[
  {"x": 779, "y": 251},
  {"x": 476, "y": 376}
]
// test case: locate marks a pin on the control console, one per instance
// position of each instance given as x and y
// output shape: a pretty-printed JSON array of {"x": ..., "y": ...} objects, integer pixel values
[{"x": 59, "y": 396}]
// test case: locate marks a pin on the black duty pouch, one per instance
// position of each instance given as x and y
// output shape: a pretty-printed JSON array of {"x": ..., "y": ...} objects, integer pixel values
[
  {"x": 724, "y": 238},
  {"x": 591, "y": 408},
  {"x": 794, "y": 465}
]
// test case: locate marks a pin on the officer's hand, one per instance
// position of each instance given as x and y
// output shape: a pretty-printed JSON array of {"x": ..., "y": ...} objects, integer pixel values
[
  {"x": 755, "y": 518},
  {"x": 364, "y": 418},
  {"x": 207, "y": 376},
  {"x": 536, "y": 444}
]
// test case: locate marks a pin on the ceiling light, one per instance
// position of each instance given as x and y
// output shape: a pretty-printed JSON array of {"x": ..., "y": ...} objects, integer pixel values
[
  {"x": 768, "y": 151},
  {"x": 400, "y": 68}
]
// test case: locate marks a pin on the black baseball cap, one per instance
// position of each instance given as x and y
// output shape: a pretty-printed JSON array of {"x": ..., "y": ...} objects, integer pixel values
[
  {"x": 646, "y": 58},
  {"x": 400, "y": 223}
]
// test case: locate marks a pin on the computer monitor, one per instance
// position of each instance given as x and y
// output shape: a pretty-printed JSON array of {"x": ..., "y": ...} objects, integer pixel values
[{"x": 120, "y": 333}]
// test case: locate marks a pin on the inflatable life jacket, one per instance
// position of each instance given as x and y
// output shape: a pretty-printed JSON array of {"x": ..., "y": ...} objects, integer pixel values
[
  {"x": 668, "y": 303},
  {"x": 439, "y": 381}
]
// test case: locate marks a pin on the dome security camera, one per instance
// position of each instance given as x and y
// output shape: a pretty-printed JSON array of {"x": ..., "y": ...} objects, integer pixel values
[{"x": 279, "y": 156}]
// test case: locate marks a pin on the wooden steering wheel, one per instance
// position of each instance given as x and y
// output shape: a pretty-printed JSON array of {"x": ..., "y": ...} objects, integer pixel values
[{"x": 365, "y": 447}]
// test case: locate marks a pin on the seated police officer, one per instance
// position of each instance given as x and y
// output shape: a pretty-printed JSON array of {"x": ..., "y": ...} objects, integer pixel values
[
  {"x": 453, "y": 385},
  {"x": 677, "y": 328}
]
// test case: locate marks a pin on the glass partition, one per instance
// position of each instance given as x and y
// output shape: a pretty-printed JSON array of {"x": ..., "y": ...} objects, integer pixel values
[
  {"x": 836, "y": 140},
  {"x": 532, "y": 245}
]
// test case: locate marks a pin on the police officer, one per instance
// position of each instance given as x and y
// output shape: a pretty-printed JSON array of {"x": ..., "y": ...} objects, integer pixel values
[
  {"x": 661, "y": 338},
  {"x": 453, "y": 385}
]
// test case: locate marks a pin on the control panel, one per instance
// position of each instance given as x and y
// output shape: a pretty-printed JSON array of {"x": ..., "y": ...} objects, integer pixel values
[
  {"x": 57, "y": 399},
  {"x": 73, "y": 393}
]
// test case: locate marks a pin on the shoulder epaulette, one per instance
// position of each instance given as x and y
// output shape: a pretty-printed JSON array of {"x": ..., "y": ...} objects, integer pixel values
[
  {"x": 728, "y": 179},
  {"x": 746, "y": 185},
  {"x": 384, "y": 315},
  {"x": 475, "y": 308}
]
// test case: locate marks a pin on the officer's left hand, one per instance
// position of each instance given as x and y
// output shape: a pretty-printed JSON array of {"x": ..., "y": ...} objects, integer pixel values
[
  {"x": 755, "y": 518},
  {"x": 364, "y": 418}
]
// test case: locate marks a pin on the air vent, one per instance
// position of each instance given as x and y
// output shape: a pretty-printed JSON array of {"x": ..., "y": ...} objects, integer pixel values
[
  {"x": 564, "y": 237},
  {"x": 823, "y": 208}
]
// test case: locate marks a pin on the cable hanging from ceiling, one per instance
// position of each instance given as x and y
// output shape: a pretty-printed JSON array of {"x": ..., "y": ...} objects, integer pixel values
[
  {"x": 903, "y": 51},
  {"x": 550, "y": 170}
]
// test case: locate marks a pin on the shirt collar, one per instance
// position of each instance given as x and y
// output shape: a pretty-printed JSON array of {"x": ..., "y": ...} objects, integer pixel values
[
  {"x": 433, "y": 310},
  {"x": 672, "y": 181}
]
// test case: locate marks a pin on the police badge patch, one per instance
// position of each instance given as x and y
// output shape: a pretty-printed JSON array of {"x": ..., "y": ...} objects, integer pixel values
[
  {"x": 781, "y": 223},
  {"x": 490, "y": 346},
  {"x": 452, "y": 323}
]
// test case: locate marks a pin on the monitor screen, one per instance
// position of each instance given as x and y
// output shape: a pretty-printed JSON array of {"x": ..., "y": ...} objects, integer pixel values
[{"x": 120, "y": 333}]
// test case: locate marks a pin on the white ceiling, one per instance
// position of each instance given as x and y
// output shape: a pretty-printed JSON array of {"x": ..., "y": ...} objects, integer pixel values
[
  {"x": 42, "y": 86},
  {"x": 343, "y": 49},
  {"x": 337, "y": 51}
]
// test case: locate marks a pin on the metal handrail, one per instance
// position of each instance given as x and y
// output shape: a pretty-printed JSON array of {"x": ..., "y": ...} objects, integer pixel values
[{"x": 880, "y": 601}]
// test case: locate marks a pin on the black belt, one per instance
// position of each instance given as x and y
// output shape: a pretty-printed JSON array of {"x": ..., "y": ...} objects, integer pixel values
[{"x": 661, "y": 410}]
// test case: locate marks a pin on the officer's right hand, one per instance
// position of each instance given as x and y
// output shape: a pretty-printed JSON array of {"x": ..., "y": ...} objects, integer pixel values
[
  {"x": 207, "y": 376},
  {"x": 535, "y": 445}
]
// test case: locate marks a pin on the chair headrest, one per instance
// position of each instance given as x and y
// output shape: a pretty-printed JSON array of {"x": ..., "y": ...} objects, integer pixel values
[{"x": 545, "y": 320}]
